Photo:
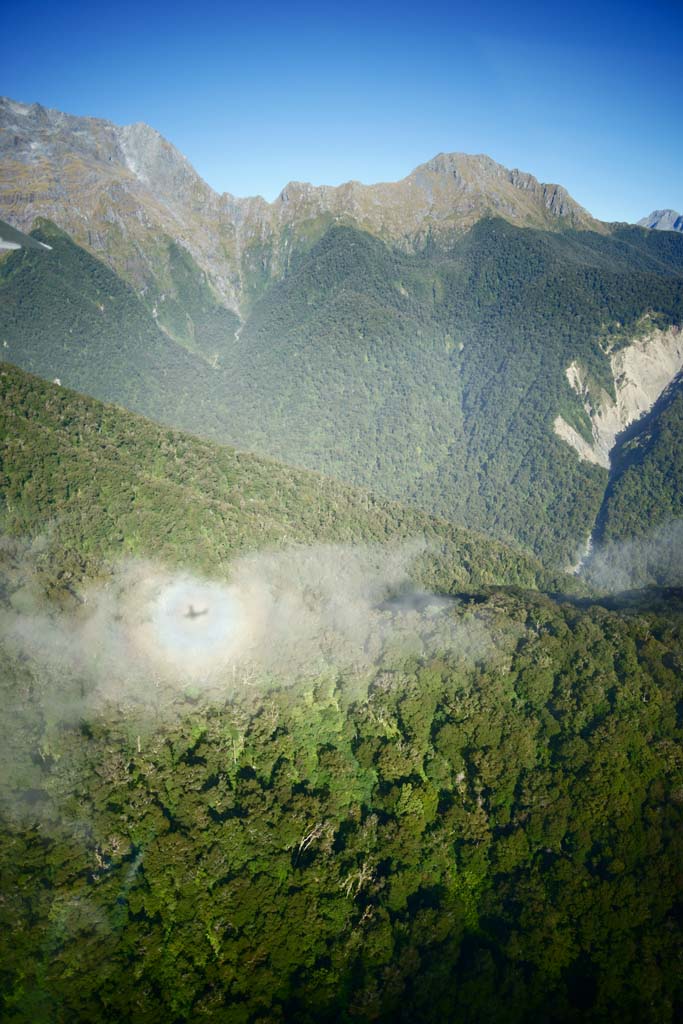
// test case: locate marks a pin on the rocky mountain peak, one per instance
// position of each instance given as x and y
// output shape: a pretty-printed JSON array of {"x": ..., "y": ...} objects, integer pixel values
[
  {"x": 156, "y": 162},
  {"x": 463, "y": 165},
  {"x": 480, "y": 173},
  {"x": 476, "y": 185},
  {"x": 121, "y": 191},
  {"x": 663, "y": 220}
]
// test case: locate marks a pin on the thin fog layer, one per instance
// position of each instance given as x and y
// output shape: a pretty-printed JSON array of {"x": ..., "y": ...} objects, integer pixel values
[
  {"x": 654, "y": 560},
  {"x": 147, "y": 634}
]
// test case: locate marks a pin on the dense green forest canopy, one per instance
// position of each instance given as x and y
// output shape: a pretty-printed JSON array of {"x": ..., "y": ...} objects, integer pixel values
[
  {"x": 71, "y": 318},
  {"x": 486, "y": 827},
  {"x": 94, "y": 483},
  {"x": 451, "y": 838},
  {"x": 433, "y": 377},
  {"x": 437, "y": 376}
]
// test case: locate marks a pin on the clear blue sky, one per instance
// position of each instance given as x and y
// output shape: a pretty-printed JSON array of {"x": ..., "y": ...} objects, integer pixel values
[{"x": 588, "y": 94}]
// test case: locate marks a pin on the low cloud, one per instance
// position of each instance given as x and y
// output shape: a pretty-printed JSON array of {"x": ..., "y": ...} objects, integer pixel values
[
  {"x": 653, "y": 560},
  {"x": 147, "y": 636}
]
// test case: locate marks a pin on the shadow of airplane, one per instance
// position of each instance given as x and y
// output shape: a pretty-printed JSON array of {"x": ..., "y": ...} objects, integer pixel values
[{"x": 192, "y": 614}]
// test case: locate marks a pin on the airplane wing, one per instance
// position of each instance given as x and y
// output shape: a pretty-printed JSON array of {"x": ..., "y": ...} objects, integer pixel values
[{"x": 11, "y": 238}]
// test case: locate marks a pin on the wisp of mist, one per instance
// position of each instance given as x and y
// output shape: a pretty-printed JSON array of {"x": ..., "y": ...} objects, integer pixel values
[
  {"x": 147, "y": 636},
  {"x": 655, "y": 559}
]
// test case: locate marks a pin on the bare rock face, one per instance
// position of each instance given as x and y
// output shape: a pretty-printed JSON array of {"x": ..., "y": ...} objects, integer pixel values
[
  {"x": 117, "y": 191},
  {"x": 663, "y": 220},
  {"x": 122, "y": 191},
  {"x": 641, "y": 371}
]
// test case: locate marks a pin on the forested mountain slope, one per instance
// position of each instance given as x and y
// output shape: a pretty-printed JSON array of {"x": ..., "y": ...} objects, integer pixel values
[
  {"x": 455, "y": 836},
  {"x": 450, "y": 340},
  {"x": 437, "y": 377},
  {"x": 99, "y": 484},
  {"x": 71, "y": 318},
  {"x": 481, "y": 821},
  {"x": 434, "y": 378},
  {"x": 646, "y": 487}
]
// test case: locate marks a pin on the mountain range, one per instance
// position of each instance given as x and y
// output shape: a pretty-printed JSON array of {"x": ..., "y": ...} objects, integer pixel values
[
  {"x": 124, "y": 191},
  {"x": 467, "y": 340}
]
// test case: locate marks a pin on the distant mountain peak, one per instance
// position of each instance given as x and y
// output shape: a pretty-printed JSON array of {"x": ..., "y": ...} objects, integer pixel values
[
  {"x": 479, "y": 173},
  {"x": 663, "y": 220}
]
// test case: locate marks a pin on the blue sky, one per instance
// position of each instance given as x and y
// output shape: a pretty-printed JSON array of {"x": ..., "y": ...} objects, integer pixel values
[{"x": 585, "y": 94}]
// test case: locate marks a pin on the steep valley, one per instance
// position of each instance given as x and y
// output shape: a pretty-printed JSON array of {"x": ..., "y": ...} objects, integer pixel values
[
  {"x": 436, "y": 378},
  {"x": 445, "y": 340}
]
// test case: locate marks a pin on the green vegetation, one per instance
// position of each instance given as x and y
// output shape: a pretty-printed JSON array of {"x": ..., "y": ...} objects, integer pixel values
[
  {"x": 189, "y": 312},
  {"x": 71, "y": 318},
  {"x": 432, "y": 378},
  {"x": 497, "y": 840},
  {"x": 638, "y": 536},
  {"x": 436, "y": 377},
  {"x": 646, "y": 489},
  {"x": 100, "y": 483},
  {"x": 490, "y": 832}
]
